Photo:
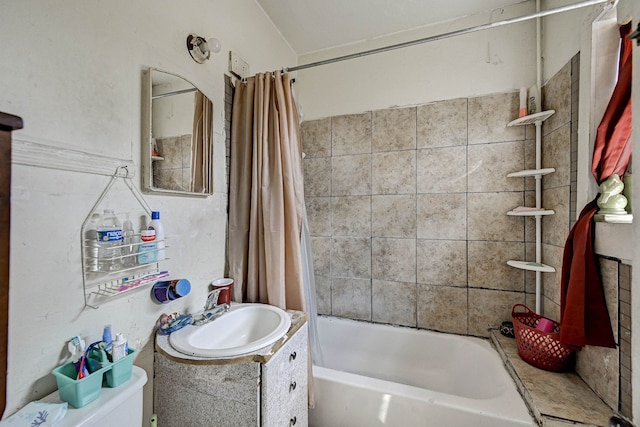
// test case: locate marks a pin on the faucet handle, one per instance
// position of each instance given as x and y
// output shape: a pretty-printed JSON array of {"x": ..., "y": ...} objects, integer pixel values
[{"x": 212, "y": 299}]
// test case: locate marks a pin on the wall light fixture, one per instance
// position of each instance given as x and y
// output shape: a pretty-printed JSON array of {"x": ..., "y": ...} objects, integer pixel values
[{"x": 200, "y": 48}]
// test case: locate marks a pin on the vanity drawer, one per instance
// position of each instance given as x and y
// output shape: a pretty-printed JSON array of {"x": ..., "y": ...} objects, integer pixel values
[{"x": 285, "y": 384}]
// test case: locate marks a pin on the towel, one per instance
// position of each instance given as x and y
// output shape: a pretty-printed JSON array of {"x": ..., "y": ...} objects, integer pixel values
[{"x": 37, "y": 414}]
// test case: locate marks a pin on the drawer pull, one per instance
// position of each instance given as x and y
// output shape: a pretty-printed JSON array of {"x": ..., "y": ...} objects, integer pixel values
[
  {"x": 292, "y": 357},
  {"x": 292, "y": 386},
  {"x": 293, "y": 421}
]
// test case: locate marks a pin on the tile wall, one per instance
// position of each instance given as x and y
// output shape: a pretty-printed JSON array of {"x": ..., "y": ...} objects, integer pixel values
[
  {"x": 174, "y": 171},
  {"x": 407, "y": 211}
]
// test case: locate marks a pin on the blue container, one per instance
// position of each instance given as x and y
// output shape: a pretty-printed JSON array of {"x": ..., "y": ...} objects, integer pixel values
[
  {"x": 168, "y": 290},
  {"x": 78, "y": 392},
  {"x": 120, "y": 371}
]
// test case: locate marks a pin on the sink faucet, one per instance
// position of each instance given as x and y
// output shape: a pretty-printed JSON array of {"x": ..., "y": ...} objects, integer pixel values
[{"x": 211, "y": 309}]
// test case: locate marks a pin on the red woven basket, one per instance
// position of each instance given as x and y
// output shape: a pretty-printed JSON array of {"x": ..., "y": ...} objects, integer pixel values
[{"x": 541, "y": 349}]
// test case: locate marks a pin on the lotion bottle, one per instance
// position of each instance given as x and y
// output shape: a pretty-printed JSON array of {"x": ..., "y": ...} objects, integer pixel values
[
  {"x": 534, "y": 100},
  {"x": 156, "y": 225}
]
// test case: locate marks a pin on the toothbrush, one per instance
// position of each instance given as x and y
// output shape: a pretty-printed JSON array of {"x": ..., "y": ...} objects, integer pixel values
[{"x": 143, "y": 280}]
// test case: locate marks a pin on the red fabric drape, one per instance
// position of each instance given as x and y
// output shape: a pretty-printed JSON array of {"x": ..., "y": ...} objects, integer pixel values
[{"x": 584, "y": 316}]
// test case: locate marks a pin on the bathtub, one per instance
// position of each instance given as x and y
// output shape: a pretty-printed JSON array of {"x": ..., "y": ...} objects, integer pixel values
[{"x": 382, "y": 375}]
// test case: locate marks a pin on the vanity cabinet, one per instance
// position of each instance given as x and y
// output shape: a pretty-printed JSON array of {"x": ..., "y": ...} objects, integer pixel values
[
  {"x": 284, "y": 384},
  {"x": 267, "y": 388}
]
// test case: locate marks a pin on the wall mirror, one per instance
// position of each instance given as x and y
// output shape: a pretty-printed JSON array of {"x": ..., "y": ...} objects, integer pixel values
[{"x": 177, "y": 144}]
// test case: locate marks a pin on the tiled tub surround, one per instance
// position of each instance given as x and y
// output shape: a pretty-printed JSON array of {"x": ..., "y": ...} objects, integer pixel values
[
  {"x": 407, "y": 213},
  {"x": 174, "y": 171},
  {"x": 265, "y": 388},
  {"x": 407, "y": 216}
]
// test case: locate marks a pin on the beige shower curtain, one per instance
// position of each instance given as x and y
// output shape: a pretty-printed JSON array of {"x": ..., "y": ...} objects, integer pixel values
[
  {"x": 266, "y": 198},
  {"x": 201, "y": 144}
]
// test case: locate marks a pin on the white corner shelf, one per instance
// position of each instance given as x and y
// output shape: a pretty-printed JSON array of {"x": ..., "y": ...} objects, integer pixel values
[
  {"x": 532, "y": 119},
  {"x": 531, "y": 266},
  {"x": 531, "y": 172},
  {"x": 532, "y": 212},
  {"x": 538, "y": 211}
]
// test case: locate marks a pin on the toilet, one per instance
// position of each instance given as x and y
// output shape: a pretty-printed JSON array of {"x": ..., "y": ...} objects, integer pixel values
[{"x": 116, "y": 407}]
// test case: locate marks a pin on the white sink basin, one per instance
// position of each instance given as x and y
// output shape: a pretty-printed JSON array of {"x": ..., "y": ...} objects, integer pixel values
[{"x": 243, "y": 329}]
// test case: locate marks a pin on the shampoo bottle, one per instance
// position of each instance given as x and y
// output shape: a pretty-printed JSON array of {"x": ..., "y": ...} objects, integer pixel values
[
  {"x": 119, "y": 347},
  {"x": 523, "y": 102},
  {"x": 534, "y": 100},
  {"x": 156, "y": 225}
]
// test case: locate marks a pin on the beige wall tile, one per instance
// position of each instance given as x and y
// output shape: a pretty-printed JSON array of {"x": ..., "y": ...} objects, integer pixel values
[
  {"x": 443, "y": 308},
  {"x": 442, "y": 124},
  {"x": 556, "y": 227},
  {"x": 351, "y": 257},
  {"x": 317, "y": 177},
  {"x": 351, "y": 216},
  {"x": 393, "y": 216},
  {"x": 442, "y": 262},
  {"x": 319, "y": 215},
  {"x": 442, "y": 170},
  {"x": 552, "y": 256},
  {"x": 556, "y": 95},
  {"x": 556, "y": 153},
  {"x": 394, "y": 302},
  {"x": 321, "y": 247},
  {"x": 609, "y": 271},
  {"x": 489, "y": 308},
  {"x": 530, "y": 222},
  {"x": 529, "y": 163},
  {"x": 394, "y": 259},
  {"x": 316, "y": 138},
  {"x": 323, "y": 293},
  {"x": 489, "y": 164},
  {"x": 488, "y": 265},
  {"x": 351, "y": 298},
  {"x": 394, "y": 172},
  {"x": 442, "y": 216},
  {"x": 488, "y": 220},
  {"x": 488, "y": 118},
  {"x": 351, "y": 134},
  {"x": 394, "y": 129},
  {"x": 351, "y": 175}
]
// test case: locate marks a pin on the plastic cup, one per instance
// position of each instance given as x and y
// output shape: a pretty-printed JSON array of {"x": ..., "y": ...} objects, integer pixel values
[{"x": 226, "y": 286}]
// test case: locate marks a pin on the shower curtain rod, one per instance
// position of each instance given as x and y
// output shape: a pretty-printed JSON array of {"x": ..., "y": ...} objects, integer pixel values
[{"x": 454, "y": 33}]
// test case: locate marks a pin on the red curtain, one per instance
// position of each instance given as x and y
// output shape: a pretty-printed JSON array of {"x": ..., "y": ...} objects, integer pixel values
[{"x": 584, "y": 316}]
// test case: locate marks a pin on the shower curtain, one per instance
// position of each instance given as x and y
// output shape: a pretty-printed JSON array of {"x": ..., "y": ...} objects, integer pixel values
[
  {"x": 266, "y": 199},
  {"x": 584, "y": 316},
  {"x": 269, "y": 247},
  {"x": 270, "y": 255},
  {"x": 201, "y": 144}
]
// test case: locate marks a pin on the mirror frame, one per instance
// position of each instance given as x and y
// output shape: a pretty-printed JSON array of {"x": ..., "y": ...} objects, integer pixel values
[{"x": 147, "y": 144}]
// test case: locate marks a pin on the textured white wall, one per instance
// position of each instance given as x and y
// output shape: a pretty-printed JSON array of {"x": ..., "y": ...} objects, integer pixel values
[
  {"x": 72, "y": 70},
  {"x": 491, "y": 61}
]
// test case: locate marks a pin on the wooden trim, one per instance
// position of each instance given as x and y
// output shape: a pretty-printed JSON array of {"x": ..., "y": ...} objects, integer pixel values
[{"x": 8, "y": 123}]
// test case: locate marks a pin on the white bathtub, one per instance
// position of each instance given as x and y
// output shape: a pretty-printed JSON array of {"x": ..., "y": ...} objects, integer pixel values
[{"x": 381, "y": 375}]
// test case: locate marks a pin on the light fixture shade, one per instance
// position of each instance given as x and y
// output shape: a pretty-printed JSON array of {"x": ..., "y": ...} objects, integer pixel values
[{"x": 198, "y": 48}]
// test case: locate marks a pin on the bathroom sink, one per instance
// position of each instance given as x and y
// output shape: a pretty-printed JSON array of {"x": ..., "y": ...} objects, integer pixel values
[{"x": 243, "y": 329}]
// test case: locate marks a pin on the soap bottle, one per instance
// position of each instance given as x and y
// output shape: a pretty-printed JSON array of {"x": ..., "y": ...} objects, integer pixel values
[
  {"x": 156, "y": 225},
  {"x": 534, "y": 99},
  {"x": 119, "y": 347}
]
